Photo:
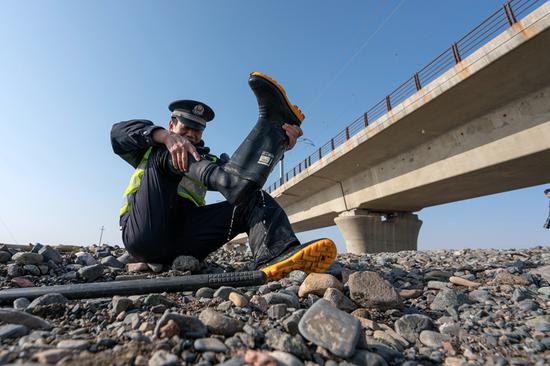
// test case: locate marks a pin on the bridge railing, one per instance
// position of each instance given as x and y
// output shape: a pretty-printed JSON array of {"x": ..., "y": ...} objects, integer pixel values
[{"x": 504, "y": 17}]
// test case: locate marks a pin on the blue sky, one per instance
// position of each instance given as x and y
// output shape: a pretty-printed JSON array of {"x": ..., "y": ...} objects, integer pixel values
[{"x": 69, "y": 70}]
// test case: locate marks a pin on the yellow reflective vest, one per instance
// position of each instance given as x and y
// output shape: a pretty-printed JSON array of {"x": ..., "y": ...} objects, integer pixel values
[{"x": 188, "y": 187}]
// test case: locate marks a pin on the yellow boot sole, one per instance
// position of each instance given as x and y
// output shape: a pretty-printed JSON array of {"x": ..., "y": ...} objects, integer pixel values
[
  {"x": 313, "y": 258},
  {"x": 297, "y": 112}
]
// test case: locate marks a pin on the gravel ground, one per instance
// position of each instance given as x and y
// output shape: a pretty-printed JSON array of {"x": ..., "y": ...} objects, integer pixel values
[{"x": 451, "y": 307}]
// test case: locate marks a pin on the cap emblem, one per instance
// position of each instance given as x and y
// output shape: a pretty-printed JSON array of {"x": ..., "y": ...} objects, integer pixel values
[{"x": 198, "y": 110}]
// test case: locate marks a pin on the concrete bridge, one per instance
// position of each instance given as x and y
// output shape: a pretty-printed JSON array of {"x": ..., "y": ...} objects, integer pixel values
[{"x": 481, "y": 126}]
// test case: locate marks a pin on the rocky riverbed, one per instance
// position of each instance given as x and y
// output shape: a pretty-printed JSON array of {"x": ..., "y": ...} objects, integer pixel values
[{"x": 451, "y": 307}]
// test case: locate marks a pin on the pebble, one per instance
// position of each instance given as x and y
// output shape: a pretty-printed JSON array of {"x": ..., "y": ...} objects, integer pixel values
[
  {"x": 433, "y": 339},
  {"x": 290, "y": 300},
  {"x": 77, "y": 344},
  {"x": 463, "y": 282},
  {"x": 223, "y": 292},
  {"x": 286, "y": 359},
  {"x": 369, "y": 289},
  {"x": 21, "y": 303},
  {"x": 137, "y": 267},
  {"x": 48, "y": 299},
  {"x": 410, "y": 293},
  {"x": 120, "y": 304},
  {"x": 22, "y": 282},
  {"x": 4, "y": 256},
  {"x": 317, "y": 283},
  {"x": 204, "y": 292},
  {"x": 163, "y": 358},
  {"x": 330, "y": 328},
  {"x": 239, "y": 300},
  {"x": 447, "y": 298},
  {"x": 276, "y": 311},
  {"x": 409, "y": 326},
  {"x": 220, "y": 324},
  {"x": 339, "y": 300},
  {"x": 209, "y": 344},
  {"x": 186, "y": 263},
  {"x": 85, "y": 259},
  {"x": 189, "y": 326}
]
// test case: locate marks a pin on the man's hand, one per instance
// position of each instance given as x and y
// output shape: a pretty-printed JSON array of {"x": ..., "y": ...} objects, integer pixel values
[
  {"x": 178, "y": 146},
  {"x": 293, "y": 132}
]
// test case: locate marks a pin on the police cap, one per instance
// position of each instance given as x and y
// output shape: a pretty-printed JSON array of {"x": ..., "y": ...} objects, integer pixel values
[{"x": 191, "y": 113}]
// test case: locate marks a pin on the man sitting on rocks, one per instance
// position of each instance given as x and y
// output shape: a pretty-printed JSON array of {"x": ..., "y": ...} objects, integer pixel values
[{"x": 165, "y": 214}]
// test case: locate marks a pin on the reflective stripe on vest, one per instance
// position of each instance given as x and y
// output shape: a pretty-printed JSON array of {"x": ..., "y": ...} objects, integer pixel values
[{"x": 188, "y": 187}]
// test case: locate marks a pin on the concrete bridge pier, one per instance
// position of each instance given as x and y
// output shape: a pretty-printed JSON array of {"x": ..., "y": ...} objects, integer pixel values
[{"x": 373, "y": 232}]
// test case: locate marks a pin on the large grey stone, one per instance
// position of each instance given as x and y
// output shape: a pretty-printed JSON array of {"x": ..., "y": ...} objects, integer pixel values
[
  {"x": 369, "y": 289},
  {"x": 111, "y": 261},
  {"x": 331, "y": 328},
  {"x": 220, "y": 324},
  {"x": 13, "y": 316},
  {"x": 92, "y": 272},
  {"x": 409, "y": 326},
  {"x": 50, "y": 254},
  {"x": 13, "y": 331},
  {"x": 27, "y": 258}
]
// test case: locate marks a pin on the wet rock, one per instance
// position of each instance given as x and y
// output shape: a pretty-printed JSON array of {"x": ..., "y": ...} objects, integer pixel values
[
  {"x": 317, "y": 283},
  {"x": 330, "y": 328},
  {"x": 369, "y": 289}
]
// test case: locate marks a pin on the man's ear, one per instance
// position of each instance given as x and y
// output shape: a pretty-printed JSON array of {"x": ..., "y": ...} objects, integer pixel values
[{"x": 171, "y": 125}]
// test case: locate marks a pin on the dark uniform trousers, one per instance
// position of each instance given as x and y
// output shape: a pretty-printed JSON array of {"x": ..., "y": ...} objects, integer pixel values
[{"x": 160, "y": 225}]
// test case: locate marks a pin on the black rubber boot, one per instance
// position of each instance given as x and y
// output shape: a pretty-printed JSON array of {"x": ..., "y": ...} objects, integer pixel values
[{"x": 253, "y": 161}]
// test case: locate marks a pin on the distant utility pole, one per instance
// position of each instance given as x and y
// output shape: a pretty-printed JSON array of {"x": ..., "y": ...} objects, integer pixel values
[{"x": 101, "y": 234}]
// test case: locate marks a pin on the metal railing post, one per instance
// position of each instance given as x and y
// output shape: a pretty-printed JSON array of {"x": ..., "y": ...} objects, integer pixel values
[
  {"x": 509, "y": 13},
  {"x": 456, "y": 54},
  {"x": 366, "y": 119},
  {"x": 417, "y": 82},
  {"x": 388, "y": 103}
]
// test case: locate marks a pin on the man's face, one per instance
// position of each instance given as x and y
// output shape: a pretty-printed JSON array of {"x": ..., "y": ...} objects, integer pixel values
[
  {"x": 548, "y": 194},
  {"x": 195, "y": 136}
]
